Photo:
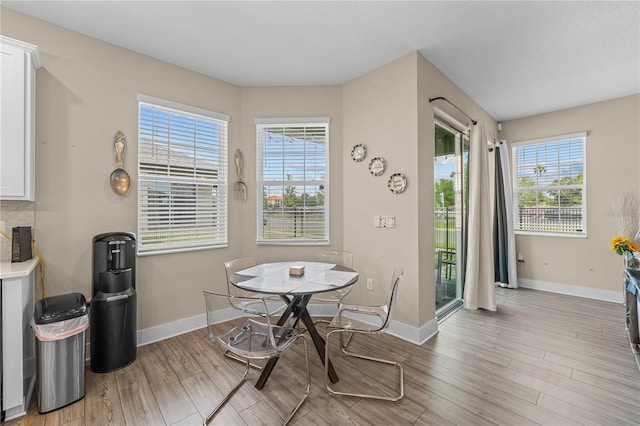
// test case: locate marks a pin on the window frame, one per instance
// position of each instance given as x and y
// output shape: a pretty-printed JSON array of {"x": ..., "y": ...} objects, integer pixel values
[
  {"x": 262, "y": 123},
  {"x": 219, "y": 212},
  {"x": 583, "y": 187}
]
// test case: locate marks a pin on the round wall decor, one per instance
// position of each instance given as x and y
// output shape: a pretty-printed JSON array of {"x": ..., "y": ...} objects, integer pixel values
[
  {"x": 397, "y": 183},
  {"x": 377, "y": 166},
  {"x": 359, "y": 152}
]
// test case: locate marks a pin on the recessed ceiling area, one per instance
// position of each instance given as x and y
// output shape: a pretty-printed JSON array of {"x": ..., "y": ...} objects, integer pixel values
[{"x": 515, "y": 59}]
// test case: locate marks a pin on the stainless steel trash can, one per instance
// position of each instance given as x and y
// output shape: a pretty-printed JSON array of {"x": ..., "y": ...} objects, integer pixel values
[{"x": 60, "y": 324}]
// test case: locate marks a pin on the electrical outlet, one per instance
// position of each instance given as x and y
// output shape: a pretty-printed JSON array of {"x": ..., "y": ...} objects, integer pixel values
[
  {"x": 369, "y": 283},
  {"x": 376, "y": 221}
]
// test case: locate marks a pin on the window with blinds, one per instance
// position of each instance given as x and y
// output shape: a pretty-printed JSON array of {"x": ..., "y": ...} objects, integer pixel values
[
  {"x": 549, "y": 185},
  {"x": 182, "y": 177},
  {"x": 292, "y": 181}
]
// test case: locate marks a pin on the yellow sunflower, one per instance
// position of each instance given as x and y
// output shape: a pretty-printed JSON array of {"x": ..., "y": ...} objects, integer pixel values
[{"x": 623, "y": 244}]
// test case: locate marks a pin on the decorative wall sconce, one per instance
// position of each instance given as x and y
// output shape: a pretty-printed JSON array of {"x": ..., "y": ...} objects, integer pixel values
[{"x": 120, "y": 181}]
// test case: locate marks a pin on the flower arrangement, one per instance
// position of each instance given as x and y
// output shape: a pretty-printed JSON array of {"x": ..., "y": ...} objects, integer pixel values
[
  {"x": 627, "y": 248},
  {"x": 622, "y": 245},
  {"x": 628, "y": 218}
]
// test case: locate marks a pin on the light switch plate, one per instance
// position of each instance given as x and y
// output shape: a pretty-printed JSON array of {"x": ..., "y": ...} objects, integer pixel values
[{"x": 388, "y": 221}]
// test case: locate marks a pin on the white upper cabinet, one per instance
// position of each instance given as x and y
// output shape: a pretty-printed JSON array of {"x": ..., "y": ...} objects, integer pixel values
[{"x": 19, "y": 62}]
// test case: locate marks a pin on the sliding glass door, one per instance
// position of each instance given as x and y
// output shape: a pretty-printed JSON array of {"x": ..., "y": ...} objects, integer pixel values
[{"x": 450, "y": 213}]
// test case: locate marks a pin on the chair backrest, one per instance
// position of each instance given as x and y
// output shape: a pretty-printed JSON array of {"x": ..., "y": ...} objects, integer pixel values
[
  {"x": 398, "y": 272},
  {"x": 239, "y": 339},
  {"x": 233, "y": 266},
  {"x": 344, "y": 258}
]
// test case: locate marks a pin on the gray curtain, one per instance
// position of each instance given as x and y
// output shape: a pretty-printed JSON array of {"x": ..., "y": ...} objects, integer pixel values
[{"x": 504, "y": 242}]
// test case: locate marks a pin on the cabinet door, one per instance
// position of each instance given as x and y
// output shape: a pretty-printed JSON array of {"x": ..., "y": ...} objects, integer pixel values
[{"x": 12, "y": 115}]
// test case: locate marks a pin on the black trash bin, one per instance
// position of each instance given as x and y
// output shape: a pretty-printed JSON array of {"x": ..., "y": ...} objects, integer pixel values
[
  {"x": 59, "y": 324},
  {"x": 113, "y": 303}
]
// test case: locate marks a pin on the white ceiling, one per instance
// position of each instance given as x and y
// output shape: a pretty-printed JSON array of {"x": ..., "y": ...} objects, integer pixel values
[{"x": 515, "y": 59}]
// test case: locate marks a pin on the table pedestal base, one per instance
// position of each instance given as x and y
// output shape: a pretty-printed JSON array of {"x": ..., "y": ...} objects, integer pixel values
[{"x": 297, "y": 310}]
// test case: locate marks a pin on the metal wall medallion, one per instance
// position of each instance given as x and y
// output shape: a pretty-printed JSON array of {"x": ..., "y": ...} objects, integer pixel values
[
  {"x": 359, "y": 152},
  {"x": 397, "y": 183},
  {"x": 377, "y": 166}
]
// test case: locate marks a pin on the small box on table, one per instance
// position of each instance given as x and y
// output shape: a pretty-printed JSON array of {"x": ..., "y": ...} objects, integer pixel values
[{"x": 296, "y": 270}]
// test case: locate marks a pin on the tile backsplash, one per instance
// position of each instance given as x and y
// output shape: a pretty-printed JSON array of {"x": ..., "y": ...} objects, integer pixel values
[{"x": 12, "y": 214}]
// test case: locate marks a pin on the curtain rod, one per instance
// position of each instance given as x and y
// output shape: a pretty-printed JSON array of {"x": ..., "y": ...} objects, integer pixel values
[
  {"x": 495, "y": 138},
  {"x": 442, "y": 98}
]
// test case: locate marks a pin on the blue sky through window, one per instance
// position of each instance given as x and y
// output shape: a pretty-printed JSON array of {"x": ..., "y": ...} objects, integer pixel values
[{"x": 547, "y": 163}]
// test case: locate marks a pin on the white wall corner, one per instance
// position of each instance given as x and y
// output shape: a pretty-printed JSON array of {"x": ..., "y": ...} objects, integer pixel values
[
  {"x": 415, "y": 335},
  {"x": 574, "y": 290}
]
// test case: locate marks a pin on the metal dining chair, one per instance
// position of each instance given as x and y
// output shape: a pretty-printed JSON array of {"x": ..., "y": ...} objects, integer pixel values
[
  {"x": 244, "y": 298},
  {"x": 343, "y": 323},
  {"x": 343, "y": 258},
  {"x": 256, "y": 338},
  {"x": 276, "y": 304}
]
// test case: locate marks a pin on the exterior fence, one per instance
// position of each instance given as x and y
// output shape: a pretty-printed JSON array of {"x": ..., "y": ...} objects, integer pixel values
[
  {"x": 445, "y": 228},
  {"x": 294, "y": 222},
  {"x": 549, "y": 219},
  {"x": 297, "y": 222}
]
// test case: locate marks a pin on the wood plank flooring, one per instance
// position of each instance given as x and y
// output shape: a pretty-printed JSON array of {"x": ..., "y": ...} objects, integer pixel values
[{"x": 541, "y": 359}]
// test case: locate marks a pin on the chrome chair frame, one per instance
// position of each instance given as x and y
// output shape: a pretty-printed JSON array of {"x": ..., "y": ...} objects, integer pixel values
[
  {"x": 230, "y": 268},
  {"x": 343, "y": 258},
  {"x": 273, "y": 341},
  {"x": 341, "y": 325}
]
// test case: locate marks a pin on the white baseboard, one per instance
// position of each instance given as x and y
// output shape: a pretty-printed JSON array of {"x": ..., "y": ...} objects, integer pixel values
[
  {"x": 154, "y": 334},
  {"x": 573, "y": 290},
  {"x": 170, "y": 329},
  {"x": 411, "y": 334}
]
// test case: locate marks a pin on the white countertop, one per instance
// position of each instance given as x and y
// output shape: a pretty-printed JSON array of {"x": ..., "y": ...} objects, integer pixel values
[{"x": 18, "y": 269}]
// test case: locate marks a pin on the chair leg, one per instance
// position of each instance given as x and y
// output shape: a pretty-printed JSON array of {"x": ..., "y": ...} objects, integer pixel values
[
  {"x": 235, "y": 357},
  {"x": 344, "y": 344},
  {"x": 228, "y": 395},
  {"x": 248, "y": 365},
  {"x": 308, "y": 388},
  {"x": 343, "y": 347}
]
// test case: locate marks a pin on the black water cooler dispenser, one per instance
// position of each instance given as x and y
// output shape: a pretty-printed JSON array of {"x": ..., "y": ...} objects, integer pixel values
[{"x": 113, "y": 302}]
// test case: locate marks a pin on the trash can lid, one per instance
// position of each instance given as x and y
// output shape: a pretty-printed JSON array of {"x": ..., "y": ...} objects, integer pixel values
[{"x": 59, "y": 308}]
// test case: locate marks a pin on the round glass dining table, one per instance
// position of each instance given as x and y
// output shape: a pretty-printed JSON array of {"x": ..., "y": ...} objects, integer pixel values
[{"x": 295, "y": 290}]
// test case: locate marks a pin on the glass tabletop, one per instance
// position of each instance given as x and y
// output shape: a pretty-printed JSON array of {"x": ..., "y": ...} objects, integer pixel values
[{"x": 274, "y": 278}]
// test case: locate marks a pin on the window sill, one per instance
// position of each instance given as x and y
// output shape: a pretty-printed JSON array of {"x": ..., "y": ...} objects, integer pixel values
[
  {"x": 293, "y": 243},
  {"x": 551, "y": 234}
]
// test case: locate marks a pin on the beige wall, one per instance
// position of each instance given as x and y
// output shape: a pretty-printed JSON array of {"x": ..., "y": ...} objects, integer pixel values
[
  {"x": 379, "y": 110},
  {"x": 86, "y": 91},
  {"x": 612, "y": 154},
  {"x": 277, "y": 102},
  {"x": 388, "y": 109}
]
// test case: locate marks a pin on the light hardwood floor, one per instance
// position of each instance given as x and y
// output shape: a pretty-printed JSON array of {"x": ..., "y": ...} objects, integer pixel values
[{"x": 542, "y": 358}]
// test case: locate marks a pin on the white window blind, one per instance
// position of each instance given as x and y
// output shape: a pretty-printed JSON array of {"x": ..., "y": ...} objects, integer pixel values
[
  {"x": 182, "y": 177},
  {"x": 293, "y": 188},
  {"x": 549, "y": 185}
]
